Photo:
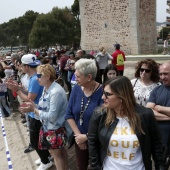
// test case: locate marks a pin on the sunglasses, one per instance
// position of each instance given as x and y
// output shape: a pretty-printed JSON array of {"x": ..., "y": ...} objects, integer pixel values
[
  {"x": 39, "y": 76},
  {"x": 146, "y": 70},
  {"x": 107, "y": 94}
]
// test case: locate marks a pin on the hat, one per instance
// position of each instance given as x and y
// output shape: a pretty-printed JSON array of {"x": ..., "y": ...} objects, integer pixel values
[
  {"x": 117, "y": 46},
  {"x": 8, "y": 58},
  {"x": 30, "y": 59}
]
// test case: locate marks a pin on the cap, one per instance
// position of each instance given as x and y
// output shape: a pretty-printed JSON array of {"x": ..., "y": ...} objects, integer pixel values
[
  {"x": 8, "y": 58},
  {"x": 30, "y": 59}
]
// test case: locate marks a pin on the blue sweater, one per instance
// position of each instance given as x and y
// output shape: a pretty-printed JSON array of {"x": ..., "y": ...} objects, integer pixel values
[{"x": 74, "y": 107}]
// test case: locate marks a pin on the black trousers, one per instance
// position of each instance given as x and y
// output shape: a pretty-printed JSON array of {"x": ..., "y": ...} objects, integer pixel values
[
  {"x": 120, "y": 72},
  {"x": 35, "y": 126},
  {"x": 82, "y": 158}
]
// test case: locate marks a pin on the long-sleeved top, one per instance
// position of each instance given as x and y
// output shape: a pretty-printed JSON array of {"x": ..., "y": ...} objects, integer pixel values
[
  {"x": 103, "y": 59},
  {"x": 150, "y": 142},
  {"x": 74, "y": 106},
  {"x": 52, "y": 107}
]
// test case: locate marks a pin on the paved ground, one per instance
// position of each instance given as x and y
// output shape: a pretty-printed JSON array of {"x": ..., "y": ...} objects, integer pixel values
[{"x": 18, "y": 139}]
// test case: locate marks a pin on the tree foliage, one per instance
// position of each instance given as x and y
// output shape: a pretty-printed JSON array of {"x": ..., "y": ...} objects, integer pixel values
[{"x": 164, "y": 32}]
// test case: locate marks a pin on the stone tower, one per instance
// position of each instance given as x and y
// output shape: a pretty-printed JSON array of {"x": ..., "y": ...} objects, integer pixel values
[{"x": 132, "y": 23}]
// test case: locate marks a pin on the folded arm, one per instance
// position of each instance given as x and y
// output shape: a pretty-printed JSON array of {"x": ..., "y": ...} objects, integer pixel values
[{"x": 159, "y": 115}]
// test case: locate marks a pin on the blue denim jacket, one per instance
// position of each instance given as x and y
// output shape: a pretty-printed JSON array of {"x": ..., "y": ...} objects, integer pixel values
[{"x": 52, "y": 107}]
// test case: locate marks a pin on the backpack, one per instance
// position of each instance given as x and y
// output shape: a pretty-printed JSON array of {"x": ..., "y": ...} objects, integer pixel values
[{"x": 120, "y": 60}]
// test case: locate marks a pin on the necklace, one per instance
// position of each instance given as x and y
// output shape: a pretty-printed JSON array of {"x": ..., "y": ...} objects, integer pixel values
[{"x": 83, "y": 108}]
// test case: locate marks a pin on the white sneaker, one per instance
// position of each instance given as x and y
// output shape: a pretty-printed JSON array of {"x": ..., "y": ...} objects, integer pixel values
[
  {"x": 45, "y": 166},
  {"x": 38, "y": 161}
]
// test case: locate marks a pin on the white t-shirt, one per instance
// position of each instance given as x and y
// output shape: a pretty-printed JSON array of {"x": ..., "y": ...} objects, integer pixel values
[
  {"x": 141, "y": 91},
  {"x": 25, "y": 81},
  {"x": 124, "y": 152},
  {"x": 8, "y": 73}
]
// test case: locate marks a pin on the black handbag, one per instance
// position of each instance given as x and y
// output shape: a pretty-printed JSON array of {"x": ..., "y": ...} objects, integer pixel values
[{"x": 71, "y": 140}]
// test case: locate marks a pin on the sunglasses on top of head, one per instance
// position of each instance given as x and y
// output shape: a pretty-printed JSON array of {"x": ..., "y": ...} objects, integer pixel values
[
  {"x": 146, "y": 70},
  {"x": 39, "y": 75}
]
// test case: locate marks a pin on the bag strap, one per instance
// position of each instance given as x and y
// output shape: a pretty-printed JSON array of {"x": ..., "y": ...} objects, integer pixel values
[{"x": 135, "y": 82}]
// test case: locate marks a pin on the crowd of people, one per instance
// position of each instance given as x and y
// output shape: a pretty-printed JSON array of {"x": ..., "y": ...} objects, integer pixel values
[{"x": 83, "y": 100}]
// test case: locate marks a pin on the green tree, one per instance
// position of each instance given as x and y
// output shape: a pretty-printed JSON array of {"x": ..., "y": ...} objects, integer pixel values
[
  {"x": 25, "y": 26},
  {"x": 54, "y": 27},
  {"x": 16, "y": 31},
  {"x": 164, "y": 32},
  {"x": 75, "y": 10},
  {"x": 42, "y": 34}
]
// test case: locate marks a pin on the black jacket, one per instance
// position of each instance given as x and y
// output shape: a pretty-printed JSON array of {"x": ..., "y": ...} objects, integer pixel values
[{"x": 150, "y": 142}]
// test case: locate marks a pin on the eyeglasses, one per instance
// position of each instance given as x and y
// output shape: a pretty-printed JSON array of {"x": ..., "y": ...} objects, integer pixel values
[
  {"x": 146, "y": 70},
  {"x": 72, "y": 63},
  {"x": 39, "y": 76},
  {"x": 107, "y": 94}
]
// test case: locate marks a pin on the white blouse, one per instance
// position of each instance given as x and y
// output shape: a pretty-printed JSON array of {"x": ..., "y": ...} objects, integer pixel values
[{"x": 141, "y": 91}]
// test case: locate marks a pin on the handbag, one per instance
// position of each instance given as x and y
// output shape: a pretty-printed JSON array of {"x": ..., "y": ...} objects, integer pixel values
[
  {"x": 71, "y": 140},
  {"x": 52, "y": 139}
]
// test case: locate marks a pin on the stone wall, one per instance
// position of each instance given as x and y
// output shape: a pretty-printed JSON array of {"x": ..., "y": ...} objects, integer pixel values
[{"x": 132, "y": 23}]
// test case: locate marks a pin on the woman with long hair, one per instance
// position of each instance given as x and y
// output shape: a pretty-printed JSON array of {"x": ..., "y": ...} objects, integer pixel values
[
  {"x": 123, "y": 134},
  {"x": 110, "y": 72}
]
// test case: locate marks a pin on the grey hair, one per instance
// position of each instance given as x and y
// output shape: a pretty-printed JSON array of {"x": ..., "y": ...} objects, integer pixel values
[
  {"x": 14, "y": 55},
  {"x": 86, "y": 66}
]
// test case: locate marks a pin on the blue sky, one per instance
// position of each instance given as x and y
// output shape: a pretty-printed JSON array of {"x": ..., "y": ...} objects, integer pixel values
[{"x": 10, "y": 9}]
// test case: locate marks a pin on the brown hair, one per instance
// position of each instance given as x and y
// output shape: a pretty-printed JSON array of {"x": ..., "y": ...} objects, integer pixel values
[
  {"x": 122, "y": 88},
  {"x": 151, "y": 65}
]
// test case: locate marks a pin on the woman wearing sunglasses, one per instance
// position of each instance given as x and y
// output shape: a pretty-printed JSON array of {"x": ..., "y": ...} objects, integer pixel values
[
  {"x": 146, "y": 79},
  {"x": 123, "y": 134},
  {"x": 51, "y": 111}
]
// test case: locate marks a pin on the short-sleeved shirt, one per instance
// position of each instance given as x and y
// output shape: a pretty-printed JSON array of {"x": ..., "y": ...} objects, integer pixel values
[
  {"x": 160, "y": 95},
  {"x": 35, "y": 88}
]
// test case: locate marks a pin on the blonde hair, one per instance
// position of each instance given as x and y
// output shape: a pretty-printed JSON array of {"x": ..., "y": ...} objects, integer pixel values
[
  {"x": 102, "y": 49},
  {"x": 122, "y": 88},
  {"x": 47, "y": 69}
]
